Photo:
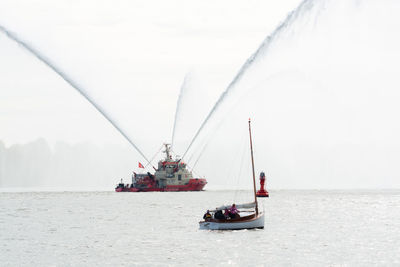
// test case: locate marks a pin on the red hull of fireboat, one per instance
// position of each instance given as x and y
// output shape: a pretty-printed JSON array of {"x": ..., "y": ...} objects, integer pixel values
[{"x": 193, "y": 185}]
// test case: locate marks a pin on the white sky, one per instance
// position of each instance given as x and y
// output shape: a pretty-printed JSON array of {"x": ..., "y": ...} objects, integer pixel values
[
  {"x": 126, "y": 53},
  {"x": 324, "y": 94}
]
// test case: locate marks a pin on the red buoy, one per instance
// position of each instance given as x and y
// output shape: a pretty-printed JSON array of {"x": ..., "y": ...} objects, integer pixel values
[{"x": 262, "y": 192}]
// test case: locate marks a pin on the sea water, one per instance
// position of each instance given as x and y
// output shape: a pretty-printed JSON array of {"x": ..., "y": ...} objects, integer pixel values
[{"x": 304, "y": 228}]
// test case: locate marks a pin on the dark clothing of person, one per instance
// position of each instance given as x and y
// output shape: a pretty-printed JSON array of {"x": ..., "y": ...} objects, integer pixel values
[
  {"x": 219, "y": 215},
  {"x": 207, "y": 216},
  {"x": 234, "y": 215}
]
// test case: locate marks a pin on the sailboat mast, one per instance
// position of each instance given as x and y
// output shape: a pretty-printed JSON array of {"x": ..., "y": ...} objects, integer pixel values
[{"x": 252, "y": 165}]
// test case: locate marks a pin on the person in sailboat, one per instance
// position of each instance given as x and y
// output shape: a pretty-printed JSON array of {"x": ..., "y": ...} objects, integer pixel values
[
  {"x": 207, "y": 215},
  {"x": 234, "y": 212},
  {"x": 219, "y": 215},
  {"x": 253, "y": 220},
  {"x": 226, "y": 214}
]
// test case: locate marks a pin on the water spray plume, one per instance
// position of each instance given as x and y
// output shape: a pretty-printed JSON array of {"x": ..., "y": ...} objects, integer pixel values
[
  {"x": 249, "y": 62},
  {"x": 178, "y": 105},
  {"x": 71, "y": 82}
]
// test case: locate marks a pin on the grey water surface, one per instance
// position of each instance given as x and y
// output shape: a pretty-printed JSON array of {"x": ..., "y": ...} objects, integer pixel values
[{"x": 302, "y": 228}]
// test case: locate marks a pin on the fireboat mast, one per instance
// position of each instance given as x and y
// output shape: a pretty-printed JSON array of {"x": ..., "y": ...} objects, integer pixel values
[
  {"x": 167, "y": 151},
  {"x": 252, "y": 165}
]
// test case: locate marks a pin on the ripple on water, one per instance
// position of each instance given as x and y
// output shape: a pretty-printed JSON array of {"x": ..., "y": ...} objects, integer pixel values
[{"x": 100, "y": 229}]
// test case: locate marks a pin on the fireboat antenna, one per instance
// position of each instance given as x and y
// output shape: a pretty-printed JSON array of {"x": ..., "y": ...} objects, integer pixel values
[
  {"x": 252, "y": 165},
  {"x": 167, "y": 150}
]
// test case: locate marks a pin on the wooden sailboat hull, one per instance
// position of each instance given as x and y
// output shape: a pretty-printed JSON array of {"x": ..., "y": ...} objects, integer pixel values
[{"x": 254, "y": 221}]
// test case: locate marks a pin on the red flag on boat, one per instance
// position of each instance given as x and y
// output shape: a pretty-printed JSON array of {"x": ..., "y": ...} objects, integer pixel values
[{"x": 140, "y": 165}]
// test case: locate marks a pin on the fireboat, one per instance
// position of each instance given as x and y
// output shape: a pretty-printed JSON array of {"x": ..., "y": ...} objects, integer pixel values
[{"x": 171, "y": 175}]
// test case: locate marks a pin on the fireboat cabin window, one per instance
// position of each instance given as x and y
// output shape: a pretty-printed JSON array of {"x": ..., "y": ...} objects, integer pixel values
[{"x": 179, "y": 177}]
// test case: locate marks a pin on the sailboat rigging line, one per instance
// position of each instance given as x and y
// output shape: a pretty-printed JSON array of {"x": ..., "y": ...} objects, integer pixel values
[
  {"x": 71, "y": 82},
  {"x": 243, "y": 155},
  {"x": 252, "y": 165}
]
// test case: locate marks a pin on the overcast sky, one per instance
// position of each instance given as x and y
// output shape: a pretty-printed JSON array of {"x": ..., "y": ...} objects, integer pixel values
[
  {"x": 323, "y": 90},
  {"x": 130, "y": 53}
]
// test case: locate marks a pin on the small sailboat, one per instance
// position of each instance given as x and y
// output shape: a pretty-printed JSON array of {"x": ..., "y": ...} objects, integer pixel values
[{"x": 216, "y": 220}]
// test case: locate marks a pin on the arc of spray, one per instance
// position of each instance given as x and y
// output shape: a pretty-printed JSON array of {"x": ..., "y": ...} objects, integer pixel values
[
  {"x": 67, "y": 79},
  {"x": 178, "y": 105},
  {"x": 264, "y": 46}
]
